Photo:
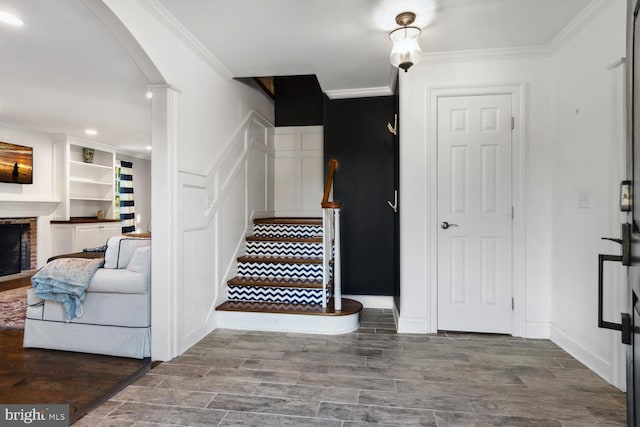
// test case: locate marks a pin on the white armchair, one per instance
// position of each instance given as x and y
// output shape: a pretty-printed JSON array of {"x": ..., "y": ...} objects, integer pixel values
[{"x": 116, "y": 318}]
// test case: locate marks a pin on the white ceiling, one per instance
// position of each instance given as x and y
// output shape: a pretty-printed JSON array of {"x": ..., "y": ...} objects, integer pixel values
[
  {"x": 345, "y": 42},
  {"x": 63, "y": 72}
]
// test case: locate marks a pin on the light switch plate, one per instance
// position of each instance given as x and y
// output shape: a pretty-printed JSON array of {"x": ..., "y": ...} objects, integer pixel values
[{"x": 584, "y": 199}]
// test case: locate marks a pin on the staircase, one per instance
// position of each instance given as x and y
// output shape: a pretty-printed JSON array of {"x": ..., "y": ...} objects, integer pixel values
[{"x": 279, "y": 283}]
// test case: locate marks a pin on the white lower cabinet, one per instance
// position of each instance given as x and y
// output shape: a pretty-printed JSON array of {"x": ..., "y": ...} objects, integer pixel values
[{"x": 68, "y": 238}]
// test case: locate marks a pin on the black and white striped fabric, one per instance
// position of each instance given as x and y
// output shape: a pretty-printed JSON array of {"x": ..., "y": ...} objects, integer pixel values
[{"x": 127, "y": 208}]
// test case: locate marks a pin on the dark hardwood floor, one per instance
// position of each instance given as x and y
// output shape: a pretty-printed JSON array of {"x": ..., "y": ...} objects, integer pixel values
[{"x": 83, "y": 381}]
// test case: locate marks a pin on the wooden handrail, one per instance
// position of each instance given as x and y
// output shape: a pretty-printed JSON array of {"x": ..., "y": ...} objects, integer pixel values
[{"x": 333, "y": 165}]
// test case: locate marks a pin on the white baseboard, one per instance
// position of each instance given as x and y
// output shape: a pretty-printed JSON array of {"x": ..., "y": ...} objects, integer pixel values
[
  {"x": 372, "y": 301},
  {"x": 412, "y": 325},
  {"x": 537, "y": 330},
  {"x": 279, "y": 322},
  {"x": 396, "y": 314},
  {"x": 596, "y": 363}
]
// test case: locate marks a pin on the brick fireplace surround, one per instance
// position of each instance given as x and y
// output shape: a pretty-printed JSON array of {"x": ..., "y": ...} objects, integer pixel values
[{"x": 28, "y": 241}]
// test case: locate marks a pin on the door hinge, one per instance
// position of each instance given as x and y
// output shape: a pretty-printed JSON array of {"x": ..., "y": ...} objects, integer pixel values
[
  {"x": 513, "y": 304},
  {"x": 513, "y": 123}
]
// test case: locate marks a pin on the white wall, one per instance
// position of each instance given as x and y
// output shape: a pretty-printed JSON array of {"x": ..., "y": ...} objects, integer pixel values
[
  {"x": 199, "y": 150},
  {"x": 298, "y": 175},
  {"x": 417, "y": 183},
  {"x": 37, "y": 199},
  {"x": 42, "y": 187},
  {"x": 142, "y": 190},
  {"x": 572, "y": 141},
  {"x": 586, "y": 102}
]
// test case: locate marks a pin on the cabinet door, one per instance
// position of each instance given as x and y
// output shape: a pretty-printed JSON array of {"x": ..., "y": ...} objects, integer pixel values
[
  {"x": 62, "y": 239},
  {"x": 88, "y": 236},
  {"x": 109, "y": 230}
]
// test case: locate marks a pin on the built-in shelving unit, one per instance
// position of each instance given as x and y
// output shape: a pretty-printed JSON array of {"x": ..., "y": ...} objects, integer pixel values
[{"x": 84, "y": 187}]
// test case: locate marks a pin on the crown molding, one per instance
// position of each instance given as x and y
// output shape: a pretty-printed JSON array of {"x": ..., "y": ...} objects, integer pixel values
[
  {"x": 172, "y": 24},
  {"x": 577, "y": 23},
  {"x": 484, "y": 54},
  {"x": 559, "y": 40},
  {"x": 359, "y": 92},
  {"x": 162, "y": 86}
]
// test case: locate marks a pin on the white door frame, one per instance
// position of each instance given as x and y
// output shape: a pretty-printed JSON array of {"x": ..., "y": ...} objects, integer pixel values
[{"x": 518, "y": 188}]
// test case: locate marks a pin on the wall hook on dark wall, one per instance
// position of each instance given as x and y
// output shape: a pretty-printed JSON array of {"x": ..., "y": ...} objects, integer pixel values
[
  {"x": 393, "y": 129},
  {"x": 394, "y": 205}
]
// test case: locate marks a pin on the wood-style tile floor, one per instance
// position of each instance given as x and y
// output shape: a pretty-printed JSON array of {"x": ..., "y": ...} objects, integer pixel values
[{"x": 374, "y": 377}]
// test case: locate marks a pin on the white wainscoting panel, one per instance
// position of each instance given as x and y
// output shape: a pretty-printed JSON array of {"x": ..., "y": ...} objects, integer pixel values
[
  {"x": 216, "y": 212},
  {"x": 298, "y": 170}
]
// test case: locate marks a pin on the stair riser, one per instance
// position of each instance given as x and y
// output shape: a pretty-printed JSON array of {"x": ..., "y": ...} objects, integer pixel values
[
  {"x": 284, "y": 249},
  {"x": 280, "y": 270},
  {"x": 274, "y": 294},
  {"x": 287, "y": 230}
]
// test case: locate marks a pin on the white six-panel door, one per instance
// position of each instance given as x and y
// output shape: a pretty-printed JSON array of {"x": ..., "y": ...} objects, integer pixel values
[{"x": 474, "y": 198}]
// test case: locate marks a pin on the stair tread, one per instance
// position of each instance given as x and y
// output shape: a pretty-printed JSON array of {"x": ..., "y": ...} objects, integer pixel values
[
  {"x": 278, "y": 282},
  {"x": 284, "y": 220},
  {"x": 280, "y": 260},
  {"x": 349, "y": 307},
  {"x": 284, "y": 239}
]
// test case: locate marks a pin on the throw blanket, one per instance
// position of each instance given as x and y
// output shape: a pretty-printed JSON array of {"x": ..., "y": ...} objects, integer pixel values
[{"x": 66, "y": 280}]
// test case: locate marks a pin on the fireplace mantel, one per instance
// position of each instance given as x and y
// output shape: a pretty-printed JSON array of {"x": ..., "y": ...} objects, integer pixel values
[{"x": 19, "y": 208}]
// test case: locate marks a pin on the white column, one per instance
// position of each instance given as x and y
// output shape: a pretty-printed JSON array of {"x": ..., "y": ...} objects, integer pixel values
[{"x": 164, "y": 213}]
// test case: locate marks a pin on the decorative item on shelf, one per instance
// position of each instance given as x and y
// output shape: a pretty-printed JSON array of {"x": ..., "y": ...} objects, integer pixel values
[
  {"x": 100, "y": 214},
  {"x": 406, "y": 50},
  {"x": 87, "y": 154}
]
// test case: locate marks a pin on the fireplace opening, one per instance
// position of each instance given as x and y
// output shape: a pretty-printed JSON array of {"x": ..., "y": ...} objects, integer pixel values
[
  {"x": 17, "y": 245},
  {"x": 10, "y": 248}
]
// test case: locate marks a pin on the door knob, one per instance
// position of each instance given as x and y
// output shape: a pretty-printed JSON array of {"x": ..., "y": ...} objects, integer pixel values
[{"x": 446, "y": 225}]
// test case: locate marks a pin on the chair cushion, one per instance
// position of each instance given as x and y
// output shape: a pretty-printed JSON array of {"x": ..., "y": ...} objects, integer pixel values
[
  {"x": 120, "y": 249},
  {"x": 141, "y": 261},
  {"x": 118, "y": 281}
]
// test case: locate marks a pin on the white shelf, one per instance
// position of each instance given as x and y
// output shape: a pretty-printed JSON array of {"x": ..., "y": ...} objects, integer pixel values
[
  {"x": 84, "y": 188},
  {"x": 95, "y": 199},
  {"x": 89, "y": 181},
  {"x": 90, "y": 165}
]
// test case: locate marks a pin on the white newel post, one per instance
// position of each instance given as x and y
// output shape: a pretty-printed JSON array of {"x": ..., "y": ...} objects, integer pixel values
[
  {"x": 337, "y": 272},
  {"x": 326, "y": 239}
]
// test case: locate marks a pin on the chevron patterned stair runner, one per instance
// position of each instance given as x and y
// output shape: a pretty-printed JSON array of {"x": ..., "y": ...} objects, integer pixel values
[
  {"x": 283, "y": 263},
  {"x": 262, "y": 248}
]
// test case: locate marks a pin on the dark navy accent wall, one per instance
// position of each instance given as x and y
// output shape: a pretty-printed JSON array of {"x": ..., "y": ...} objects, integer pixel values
[
  {"x": 298, "y": 101},
  {"x": 355, "y": 133}
]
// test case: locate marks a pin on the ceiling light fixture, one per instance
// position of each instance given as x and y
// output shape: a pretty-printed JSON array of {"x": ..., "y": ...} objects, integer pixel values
[
  {"x": 11, "y": 19},
  {"x": 148, "y": 94},
  {"x": 91, "y": 132},
  {"x": 406, "y": 50}
]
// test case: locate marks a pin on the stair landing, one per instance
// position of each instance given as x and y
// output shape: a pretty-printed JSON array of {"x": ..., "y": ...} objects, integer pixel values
[{"x": 279, "y": 317}]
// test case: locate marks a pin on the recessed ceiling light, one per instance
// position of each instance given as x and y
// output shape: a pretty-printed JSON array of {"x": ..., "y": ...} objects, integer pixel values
[
  {"x": 11, "y": 19},
  {"x": 91, "y": 132},
  {"x": 149, "y": 147},
  {"x": 149, "y": 94}
]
